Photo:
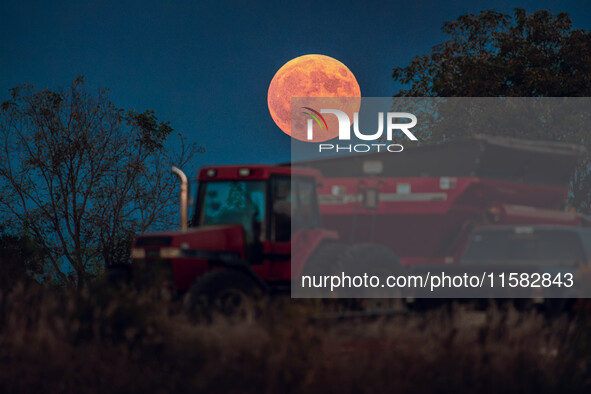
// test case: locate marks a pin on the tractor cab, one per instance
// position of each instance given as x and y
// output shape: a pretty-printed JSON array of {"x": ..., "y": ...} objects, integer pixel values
[
  {"x": 260, "y": 199},
  {"x": 245, "y": 218}
]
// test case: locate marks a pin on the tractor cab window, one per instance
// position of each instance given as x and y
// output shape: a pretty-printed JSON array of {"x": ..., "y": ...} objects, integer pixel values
[
  {"x": 294, "y": 206},
  {"x": 281, "y": 224},
  {"x": 235, "y": 202},
  {"x": 306, "y": 213}
]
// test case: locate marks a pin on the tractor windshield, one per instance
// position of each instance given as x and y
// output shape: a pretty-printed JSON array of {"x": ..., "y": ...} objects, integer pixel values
[{"x": 234, "y": 202}]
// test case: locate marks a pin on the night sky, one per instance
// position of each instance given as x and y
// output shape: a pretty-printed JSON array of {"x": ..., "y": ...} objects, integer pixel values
[{"x": 205, "y": 66}]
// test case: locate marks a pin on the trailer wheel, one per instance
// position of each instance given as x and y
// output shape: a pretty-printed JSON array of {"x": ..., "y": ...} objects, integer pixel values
[
  {"x": 223, "y": 293},
  {"x": 329, "y": 258},
  {"x": 326, "y": 260},
  {"x": 375, "y": 260},
  {"x": 336, "y": 259}
]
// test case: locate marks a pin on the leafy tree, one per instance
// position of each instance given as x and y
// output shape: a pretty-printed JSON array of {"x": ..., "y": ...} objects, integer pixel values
[
  {"x": 521, "y": 55},
  {"x": 82, "y": 176}
]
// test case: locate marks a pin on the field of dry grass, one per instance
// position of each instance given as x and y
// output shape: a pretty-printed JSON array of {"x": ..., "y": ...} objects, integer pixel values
[{"x": 101, "y": 340}]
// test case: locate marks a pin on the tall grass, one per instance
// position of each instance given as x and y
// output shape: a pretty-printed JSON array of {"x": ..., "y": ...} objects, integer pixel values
[{"x": 102, "y": 340}]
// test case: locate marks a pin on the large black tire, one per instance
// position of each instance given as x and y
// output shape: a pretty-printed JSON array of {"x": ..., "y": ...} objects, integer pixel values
[
  {"x": 374, "y": 260},
  {"x": 327, "y": 259},
  {"x": 333, "y": 258},
  {"x": 224, "y": 293}
]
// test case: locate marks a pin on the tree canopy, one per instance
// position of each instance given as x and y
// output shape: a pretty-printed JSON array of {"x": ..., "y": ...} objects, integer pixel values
[
  {"x": 80, "y": 176},
  {"x": 495, "y": 54}
]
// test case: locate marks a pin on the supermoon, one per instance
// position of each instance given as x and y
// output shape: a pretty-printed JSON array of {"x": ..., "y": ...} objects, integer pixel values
[{"x": 312, "y": 76}]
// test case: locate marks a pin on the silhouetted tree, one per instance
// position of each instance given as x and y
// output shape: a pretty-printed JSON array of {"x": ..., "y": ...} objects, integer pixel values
[
  {"x": 81, "y": 176},
  {"x": 521, "y": 55}
]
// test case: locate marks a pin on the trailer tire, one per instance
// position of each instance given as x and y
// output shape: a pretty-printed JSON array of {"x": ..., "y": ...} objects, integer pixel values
[
  {"x": 375, "y": 260},
  {"x": 223, "y": 293},
  {"x": 333, "y": 258},
  {"x": 327, "y": 259}
]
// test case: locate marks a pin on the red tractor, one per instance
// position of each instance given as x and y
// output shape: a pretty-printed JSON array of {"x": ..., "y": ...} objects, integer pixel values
[{"x": 255, "y": 228}]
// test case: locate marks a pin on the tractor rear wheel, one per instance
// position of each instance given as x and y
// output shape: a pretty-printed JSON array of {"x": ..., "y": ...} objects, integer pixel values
[{"x": 223, "y": 293}]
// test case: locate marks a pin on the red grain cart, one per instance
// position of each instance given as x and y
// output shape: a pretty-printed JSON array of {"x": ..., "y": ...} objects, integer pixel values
[{"x": 422, "y": 203}]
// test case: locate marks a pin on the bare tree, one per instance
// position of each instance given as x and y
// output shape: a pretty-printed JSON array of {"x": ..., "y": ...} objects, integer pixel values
[{"x": 82, "y": 176}]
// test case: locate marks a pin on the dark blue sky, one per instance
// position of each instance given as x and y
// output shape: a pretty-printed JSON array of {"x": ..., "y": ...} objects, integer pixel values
[{"x": 205, "y": 66}]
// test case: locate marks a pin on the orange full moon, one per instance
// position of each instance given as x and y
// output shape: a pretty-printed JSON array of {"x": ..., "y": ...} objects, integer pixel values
[{"x": 312, "y": 76}]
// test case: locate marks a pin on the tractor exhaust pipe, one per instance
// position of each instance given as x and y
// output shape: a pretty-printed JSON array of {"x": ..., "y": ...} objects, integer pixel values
[{"x": 184, "y": 197}]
